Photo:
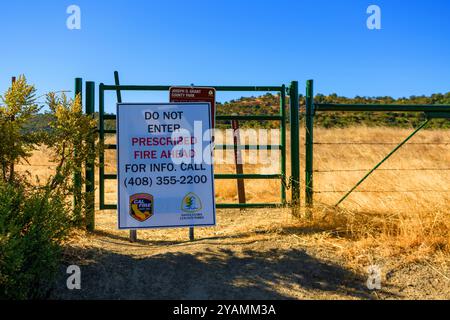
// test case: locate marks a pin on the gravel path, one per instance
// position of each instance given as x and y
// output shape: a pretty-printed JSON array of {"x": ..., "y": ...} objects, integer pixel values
[{"x": 239, "y": 259}]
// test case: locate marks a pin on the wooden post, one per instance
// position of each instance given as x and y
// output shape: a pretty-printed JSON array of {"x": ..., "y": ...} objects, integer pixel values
[{"x": 238, "y": 161}]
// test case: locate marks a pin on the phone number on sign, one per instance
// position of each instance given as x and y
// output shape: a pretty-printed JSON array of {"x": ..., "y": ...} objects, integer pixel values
[{"x": 165, "y": 180}]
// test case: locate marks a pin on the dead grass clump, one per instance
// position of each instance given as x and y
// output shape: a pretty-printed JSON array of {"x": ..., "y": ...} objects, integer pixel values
[{"x": 415, "y": 235}]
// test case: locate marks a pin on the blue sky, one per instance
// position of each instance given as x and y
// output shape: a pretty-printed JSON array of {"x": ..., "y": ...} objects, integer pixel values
[{"x": 230, "y": 42}]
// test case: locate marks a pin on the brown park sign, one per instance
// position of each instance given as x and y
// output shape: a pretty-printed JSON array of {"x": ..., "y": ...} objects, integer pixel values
[{"x": 195, "y": 94}]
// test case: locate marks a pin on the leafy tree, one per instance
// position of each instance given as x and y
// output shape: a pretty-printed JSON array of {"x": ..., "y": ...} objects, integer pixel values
[{"x": 17, "y": 106}]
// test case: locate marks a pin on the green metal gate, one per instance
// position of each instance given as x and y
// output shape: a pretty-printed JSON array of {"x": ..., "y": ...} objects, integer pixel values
[
  {"x": 430, "y": 112},
  {"x": 281, "y": 117}
]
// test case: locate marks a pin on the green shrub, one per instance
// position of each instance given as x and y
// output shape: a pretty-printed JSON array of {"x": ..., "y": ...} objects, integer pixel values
[
  {"x": 34, "y": 220},
  {"x": 32, "y": 226}
]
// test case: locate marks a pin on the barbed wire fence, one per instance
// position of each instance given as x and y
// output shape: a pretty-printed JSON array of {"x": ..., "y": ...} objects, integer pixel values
[{"x": 324, "y": 170}]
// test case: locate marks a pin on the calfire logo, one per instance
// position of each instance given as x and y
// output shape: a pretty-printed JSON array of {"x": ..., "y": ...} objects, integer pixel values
[{"x": 141, "y": 206}]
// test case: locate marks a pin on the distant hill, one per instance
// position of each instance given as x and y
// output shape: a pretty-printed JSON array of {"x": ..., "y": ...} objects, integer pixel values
[
  {"x": 40, "y": 122},
  {"x": 393, "y": 119},
  {"x": 269, "y": 104}
]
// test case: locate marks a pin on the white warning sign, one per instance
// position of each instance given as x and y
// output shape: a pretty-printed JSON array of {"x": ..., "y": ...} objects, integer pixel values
[{"x": 165, "y": 171}]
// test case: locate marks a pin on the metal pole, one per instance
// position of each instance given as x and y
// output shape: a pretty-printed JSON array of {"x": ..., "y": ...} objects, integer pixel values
[
  {"x": 191, "y": 234},
  {"x": 77, "y": 175},
  {"x": 283, "y": 143},
  {"x": 90, "y": 166},
  {"x": 309, "y": 143},
  {"x": 382, "y": 161},
  {"x": 295, "y": 148},
  {"x": 117, "y": 82},
  {"x": 133, "y": 233},
  {"x": 101, "y": 124}
]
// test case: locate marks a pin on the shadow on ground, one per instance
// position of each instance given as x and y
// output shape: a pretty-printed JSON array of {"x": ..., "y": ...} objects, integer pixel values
[{"x": 213, "y": 274}]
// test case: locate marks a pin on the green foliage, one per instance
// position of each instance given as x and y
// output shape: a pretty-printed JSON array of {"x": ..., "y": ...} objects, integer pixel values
[
  {"x": 269, "y": 105},
  {"x": 17, "y": 106},
  {"x": 34, "y": 220},
  {"x": 70, "y": 132},
  {"x": 33, "y": 225},
  {"x": 390, "y": 119},
  {"x": 39, "y": 123}
]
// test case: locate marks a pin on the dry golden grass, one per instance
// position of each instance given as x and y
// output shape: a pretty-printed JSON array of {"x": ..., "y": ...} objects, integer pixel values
[
  {"x": 413, "y": 223},
  {"x": 391, "y": 221},
  {"x": 435, "y": 184}
]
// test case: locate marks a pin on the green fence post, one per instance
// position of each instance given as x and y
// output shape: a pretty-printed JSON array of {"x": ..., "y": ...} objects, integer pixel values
[
  {"x": 77, "y": 175},
  {"x": 309, "y": 143},
  {"x": 295, "y": 148},
  {"x": 283, "y": 143},
  {"x": 90, "y": 165},
  {"x": 101, "y": 157}
]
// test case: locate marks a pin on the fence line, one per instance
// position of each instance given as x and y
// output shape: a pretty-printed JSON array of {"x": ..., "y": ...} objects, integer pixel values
[
  {"x": 389, "y": 169},
  {"x": 429, "y": 112},
  {"x": 383, "y": 191},
  {"x": 379, "y": 143}
]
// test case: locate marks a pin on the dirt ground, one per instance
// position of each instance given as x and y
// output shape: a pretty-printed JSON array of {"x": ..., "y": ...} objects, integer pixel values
[{"x": 254, "y": 254}]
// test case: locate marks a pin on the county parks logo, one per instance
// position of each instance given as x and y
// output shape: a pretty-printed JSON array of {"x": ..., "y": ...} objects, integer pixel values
[
  {"x": 141, "y": 206},
  {"x": 191, "y": 203}
]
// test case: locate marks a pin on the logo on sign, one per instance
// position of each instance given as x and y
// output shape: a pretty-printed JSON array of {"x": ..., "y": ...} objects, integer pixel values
[
  {"x": 191, "y": 203},
  {"x": 141, "y": 206}
]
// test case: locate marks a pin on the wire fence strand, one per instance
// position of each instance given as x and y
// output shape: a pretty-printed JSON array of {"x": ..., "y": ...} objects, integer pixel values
[
  {"x": 387, "y": 169},
  {"x": 383, "y": 191},
  {"x": 382, "y": 143}
]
